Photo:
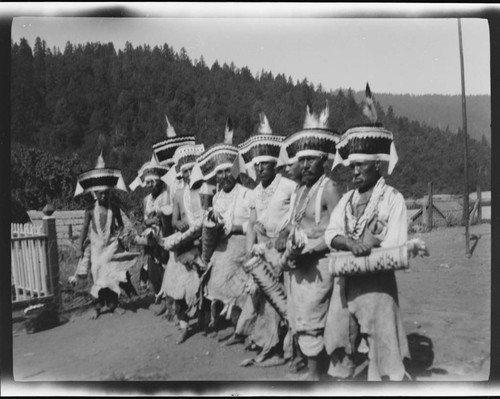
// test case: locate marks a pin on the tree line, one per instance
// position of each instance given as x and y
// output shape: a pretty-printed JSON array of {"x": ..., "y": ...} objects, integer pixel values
[{"x": 67, "y": 106}]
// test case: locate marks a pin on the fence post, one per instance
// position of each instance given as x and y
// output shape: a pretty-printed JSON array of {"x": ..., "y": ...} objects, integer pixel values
[
  {"x": 49, "y": 227},
  {"x": 431, "y": 205},
  {"x": 479, "y": 205}
]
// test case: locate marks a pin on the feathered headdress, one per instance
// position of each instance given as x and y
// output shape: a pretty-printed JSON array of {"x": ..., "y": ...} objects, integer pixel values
[
  {"x": 99, "y": 178},
  {"x": 217, "y": 157},
  {"x": 368, "y": 142},
  {"x": 164, "y": 150},
  {"x": 151, "y": 170},
  {"x": 262, "y": 147},
  {"x": 315, "y": 139}
]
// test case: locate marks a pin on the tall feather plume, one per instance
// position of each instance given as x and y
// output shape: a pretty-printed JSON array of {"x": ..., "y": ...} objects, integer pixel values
[
  {"x": 323, "y": 118},
  {"x": 369, "y": 107},
  {"x": 170, "y": 128},
  {"x": 264, "y": 127},
  {"x": 153, "y": 161},
  {"x": 100, "y": 162},
  {"x": 311, "y": 120},
  {"x": 228, "y": 133}
]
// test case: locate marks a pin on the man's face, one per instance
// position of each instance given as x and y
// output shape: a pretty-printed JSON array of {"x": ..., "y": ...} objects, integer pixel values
[
  {"x": 311, "y": 169},
  {"x": 225, "y": 179},
  {"x": 265, "y": 171},
  {"x": 102, "y": 197},
  {"x": 294, "y": 172},
  {"x": 150, "y": 184},
  {"x": 156, "y": 187},
  {"x": 186, "y": 173},
  {"x": 365, "y": 174}
]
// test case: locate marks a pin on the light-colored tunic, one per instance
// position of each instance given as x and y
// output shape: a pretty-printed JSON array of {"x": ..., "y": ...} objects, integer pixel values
[
  {"x": 227, "y": 277},
  {"x": 181, "y": 281},
  {"x": 311, "y": 284},
  {"x": 272, "y": 205},
  {"x": 369, "y": 302}
]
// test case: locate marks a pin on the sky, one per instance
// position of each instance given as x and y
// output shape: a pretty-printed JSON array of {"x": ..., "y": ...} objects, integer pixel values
[{"x": 414, "y": 51}]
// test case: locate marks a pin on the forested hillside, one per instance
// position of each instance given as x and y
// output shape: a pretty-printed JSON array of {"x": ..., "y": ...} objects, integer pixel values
[
  {"x": 67, "y": 106},
  {"x": 444, "y": 112}
]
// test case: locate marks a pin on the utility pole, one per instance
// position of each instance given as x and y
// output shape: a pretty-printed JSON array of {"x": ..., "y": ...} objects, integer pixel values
[{"x": 464, "y": 123}]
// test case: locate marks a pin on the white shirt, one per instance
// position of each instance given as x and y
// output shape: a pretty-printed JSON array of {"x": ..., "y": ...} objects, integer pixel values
[
  {"x": 273, "y": 203},
  {"x": 155, "y": 206},
  {"x": 391, "y": 211},
  {"x": 234, "y": 206}
]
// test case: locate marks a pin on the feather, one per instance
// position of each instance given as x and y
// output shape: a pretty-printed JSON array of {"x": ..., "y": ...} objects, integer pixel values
[
  {"x": 228, "y": 134},
  {"x": 264, "y": 127},
  {"x": 315, "y": 121},
  {"x": 170, "y": 129},
  {"x": 369, "y": 107},
  {"x": 311, "y": 120},
  {"x": 100, "y": 162},
  {"x": 323, "y": 118}
]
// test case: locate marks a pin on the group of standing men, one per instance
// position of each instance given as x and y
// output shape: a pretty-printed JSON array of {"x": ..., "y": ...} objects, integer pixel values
[{"x": 326, "y": 317}]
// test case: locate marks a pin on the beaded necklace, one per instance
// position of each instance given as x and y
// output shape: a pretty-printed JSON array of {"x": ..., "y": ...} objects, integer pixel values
[
  {"x": 312, "y": 191},
  {"x": 264, "y": 195},
  {"x": 103, "y": 233},
  {"x": 355, "y": 226}
]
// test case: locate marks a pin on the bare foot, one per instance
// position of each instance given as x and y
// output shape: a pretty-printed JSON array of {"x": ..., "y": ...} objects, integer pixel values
[
  {"x": 183, "y": 337},
  {"x": 309, "y": 376},
  {"x": 271, "y": 362},
  {"x": 212, "y": 334},
  {"x": 161, "y": 310},
  {"x": 303, "y": 376},
  {"x": 95, "y": 314},
  {"x": 235, "y": 339},
  {"x": 297, "y": 365}
]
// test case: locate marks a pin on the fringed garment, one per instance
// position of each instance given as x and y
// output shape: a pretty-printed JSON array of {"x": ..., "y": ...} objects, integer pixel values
[
  {"x": 109, "y": 263},
  {"x": 265, "y": 333},
  {"x": 181, "y": 280},
  {"x": 227, "y": 277}
]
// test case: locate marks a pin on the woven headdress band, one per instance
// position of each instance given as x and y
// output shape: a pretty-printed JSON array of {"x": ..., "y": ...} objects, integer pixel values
[
  {"x": 366, "y": 143},
  {"x": 315, "y": 139},
  {"x": 217, "y": 157},
  {"x": 100, "y": 178},
  {"x": 151, "y": 170}
]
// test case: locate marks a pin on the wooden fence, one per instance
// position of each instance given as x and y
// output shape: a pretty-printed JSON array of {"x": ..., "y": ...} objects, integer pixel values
[
  {"x": 446, "y": 210},
  {"x": 34, "y": 263}
]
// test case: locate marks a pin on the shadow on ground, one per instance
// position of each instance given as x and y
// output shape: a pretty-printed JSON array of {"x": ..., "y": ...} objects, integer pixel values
[
  {"x": 422, "y": 357},
  {"x": 141, "y": 301}
]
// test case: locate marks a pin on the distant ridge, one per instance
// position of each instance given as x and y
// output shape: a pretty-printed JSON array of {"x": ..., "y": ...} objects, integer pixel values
[{"x": 440, "y": 111}]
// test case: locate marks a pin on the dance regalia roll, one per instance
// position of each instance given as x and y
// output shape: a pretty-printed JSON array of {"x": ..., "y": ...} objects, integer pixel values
[
  {"x": 211, "y": 233},
  {"x": 268, "y": 282},
  {"x": 180, "y": 240},
  {"x": 379, "y": 260}
]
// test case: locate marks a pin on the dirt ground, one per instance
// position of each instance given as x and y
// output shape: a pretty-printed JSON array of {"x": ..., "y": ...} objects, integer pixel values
[{"x": 444, "y": 300}]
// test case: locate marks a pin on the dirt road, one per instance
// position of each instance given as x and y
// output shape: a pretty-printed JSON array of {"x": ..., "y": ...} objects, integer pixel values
[{"x": 444, "y": 300}]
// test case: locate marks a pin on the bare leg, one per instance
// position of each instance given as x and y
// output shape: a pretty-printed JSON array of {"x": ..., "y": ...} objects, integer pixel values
[
  {"x": 312, "y": 366},
  {"x": 180, "y": 310},
  {"x": 97, "y": 310}
]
